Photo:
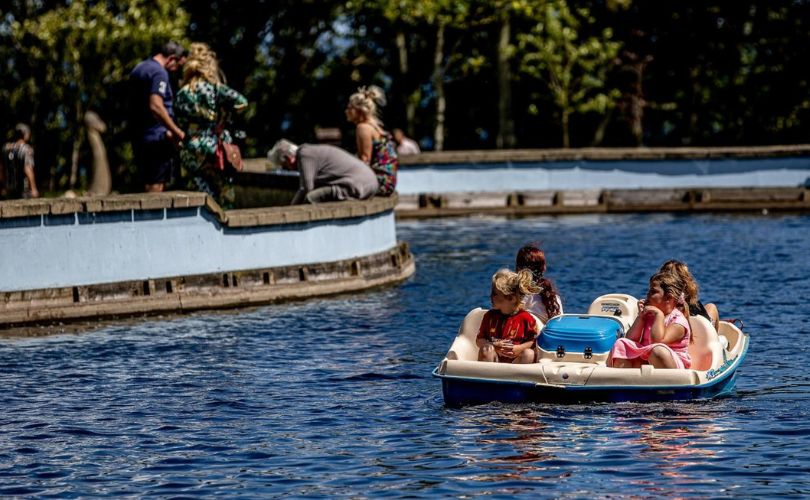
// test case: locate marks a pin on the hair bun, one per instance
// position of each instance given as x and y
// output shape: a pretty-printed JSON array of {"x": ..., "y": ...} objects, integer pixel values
[{"x": 373, "y": 93}]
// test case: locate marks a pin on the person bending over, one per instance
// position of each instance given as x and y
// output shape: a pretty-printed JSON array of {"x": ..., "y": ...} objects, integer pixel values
[{"x": 328, "y": 173}]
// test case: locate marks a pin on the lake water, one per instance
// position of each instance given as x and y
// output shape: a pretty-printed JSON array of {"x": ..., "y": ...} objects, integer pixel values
[{"x": 334, "y": 397}]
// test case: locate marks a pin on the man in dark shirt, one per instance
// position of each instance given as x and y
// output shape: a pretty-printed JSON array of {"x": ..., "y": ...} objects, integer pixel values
[{"x": 155, "y": 134}]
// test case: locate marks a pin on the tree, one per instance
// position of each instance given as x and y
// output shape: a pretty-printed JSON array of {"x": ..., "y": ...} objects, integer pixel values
[
  {"x": 439, "y": 15},
  {"x": 572, "y": 64},
  {"x": 80, "y": 54},
  {"x": 500, "y": 14}
]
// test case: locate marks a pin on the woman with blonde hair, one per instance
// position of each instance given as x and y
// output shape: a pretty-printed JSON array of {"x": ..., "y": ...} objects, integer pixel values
[
  {"x": 374, "y": 145},
  {"x": 202, "y": 107}
]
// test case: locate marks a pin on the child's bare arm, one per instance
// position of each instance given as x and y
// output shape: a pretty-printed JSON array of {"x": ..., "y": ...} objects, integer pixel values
[
  {"x": 634, "y": 333},
  {"x": 672, "y": 334}
]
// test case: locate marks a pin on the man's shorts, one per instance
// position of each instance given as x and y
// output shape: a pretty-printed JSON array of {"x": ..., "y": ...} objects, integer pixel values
[{"x": 155, "y": 161}]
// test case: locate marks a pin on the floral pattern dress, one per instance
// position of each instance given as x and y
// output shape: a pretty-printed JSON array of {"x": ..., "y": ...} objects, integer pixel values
[
  {"x": 384, "y": 163},
  {"x": 199, "y": 109}
]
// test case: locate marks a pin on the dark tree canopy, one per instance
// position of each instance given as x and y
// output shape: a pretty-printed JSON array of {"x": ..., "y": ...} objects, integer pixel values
[{"x": 458, "y": 74}]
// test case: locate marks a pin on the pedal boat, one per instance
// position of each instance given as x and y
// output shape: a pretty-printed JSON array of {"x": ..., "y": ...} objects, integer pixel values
[{"x": 573, "y": 376}]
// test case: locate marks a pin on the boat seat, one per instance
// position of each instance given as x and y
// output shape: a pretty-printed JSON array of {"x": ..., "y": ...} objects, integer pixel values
[
  {"x": 616, "y": 305},
  {"x": 705, "y": 349},
  {"x": 463, "y": 346}
]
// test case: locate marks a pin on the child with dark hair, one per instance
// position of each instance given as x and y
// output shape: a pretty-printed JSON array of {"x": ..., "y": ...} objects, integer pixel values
[
  {"x": 660, "y": 334},
  {"x": 546, "y": 303},
  {"x": 696, "y": 307}
]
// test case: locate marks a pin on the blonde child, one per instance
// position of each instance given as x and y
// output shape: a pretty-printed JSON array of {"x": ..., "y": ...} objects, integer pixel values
[
  {"x": 507, "y": 333},
  {"x": 660, "y": 334},
  {"x": 374, "y": 145}
]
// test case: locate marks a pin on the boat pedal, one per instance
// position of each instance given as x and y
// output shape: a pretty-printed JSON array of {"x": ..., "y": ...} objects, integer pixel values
[
  {"x": 588, "y": 354},
  {"x": 560, "y": 351}
]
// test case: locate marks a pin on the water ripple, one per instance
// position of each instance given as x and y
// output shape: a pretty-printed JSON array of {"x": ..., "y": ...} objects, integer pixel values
[{"x": 219, "y": 405}]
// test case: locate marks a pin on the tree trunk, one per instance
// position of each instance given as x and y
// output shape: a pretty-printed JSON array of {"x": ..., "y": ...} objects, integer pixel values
[
  {"x": 564, "y": 120},
  {"x": 438, "y": 87},
  {"x": 77, "y": 144},
  {"x": 408, "y": 95},
  {"x": 402, "y": 50},
  {"x": 410, "y": 112},
  {"x": 505, "y": 137},
  {"x": 599, "y": 134}
]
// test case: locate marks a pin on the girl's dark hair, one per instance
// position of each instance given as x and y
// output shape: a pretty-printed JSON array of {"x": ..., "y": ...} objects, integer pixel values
[
  {"x": 673, "y": 286},
  {"x": 531, "y": 257}
]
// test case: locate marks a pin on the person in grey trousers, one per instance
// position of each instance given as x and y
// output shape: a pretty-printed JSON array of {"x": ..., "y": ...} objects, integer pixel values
[{"x": 328, "y": 173}]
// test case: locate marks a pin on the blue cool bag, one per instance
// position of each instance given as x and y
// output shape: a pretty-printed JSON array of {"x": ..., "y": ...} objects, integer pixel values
[{"x": 581, "y": 338}]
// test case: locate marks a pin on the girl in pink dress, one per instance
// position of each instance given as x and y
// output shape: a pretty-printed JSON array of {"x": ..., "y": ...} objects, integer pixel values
[{"x": 660, "y": 334}]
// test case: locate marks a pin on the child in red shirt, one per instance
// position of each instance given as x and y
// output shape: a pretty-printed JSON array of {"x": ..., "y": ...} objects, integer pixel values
[{"x": 507, "y": 333}]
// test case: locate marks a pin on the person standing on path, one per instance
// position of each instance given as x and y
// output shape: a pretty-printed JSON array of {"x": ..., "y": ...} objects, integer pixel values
[
  {"x": 204, "y": 103},
  {"x": 156, "y": 136},
  {"x": 19, "y": 180}
]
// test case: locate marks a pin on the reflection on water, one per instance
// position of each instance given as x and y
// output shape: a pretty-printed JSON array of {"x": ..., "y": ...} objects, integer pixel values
[
  {"x": 333, "y": 397},
  {"x": 642, "y": 450}
]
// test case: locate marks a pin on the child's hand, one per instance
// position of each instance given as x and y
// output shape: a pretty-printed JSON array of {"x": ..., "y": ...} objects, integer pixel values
[
  {"x": 640, "y": 305},
  {"x": 505, "y": 348},
  {"x": 652, "y": 311}
]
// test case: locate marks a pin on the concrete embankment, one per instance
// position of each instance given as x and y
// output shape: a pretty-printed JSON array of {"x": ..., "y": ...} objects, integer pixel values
[
  {"x": 604, "y": 201},
  {"x": 602, "y": 180},
  {"x": 127, "y": 255}
]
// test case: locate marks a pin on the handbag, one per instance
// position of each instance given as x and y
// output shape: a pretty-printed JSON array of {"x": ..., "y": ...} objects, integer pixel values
[{"x": 227, "y": 154}]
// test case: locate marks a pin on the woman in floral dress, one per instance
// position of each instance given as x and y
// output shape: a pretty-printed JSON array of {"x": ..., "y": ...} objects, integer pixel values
[
  {"x": 374, "y": 145},
  {"x": 202, "y": 105}
]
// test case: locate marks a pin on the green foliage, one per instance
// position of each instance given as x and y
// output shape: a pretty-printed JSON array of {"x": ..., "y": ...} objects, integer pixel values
[
  {"x": 707, "y": 73},
  {"x": 79, "y": 56},
  {"x": 573, "y": 65}
]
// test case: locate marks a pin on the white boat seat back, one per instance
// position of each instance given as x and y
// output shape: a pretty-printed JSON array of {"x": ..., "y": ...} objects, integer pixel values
[
  {"x": 617, "y": 305},
  {"x": 464, "y": 346},
  {"x": 705, "y": 348}
]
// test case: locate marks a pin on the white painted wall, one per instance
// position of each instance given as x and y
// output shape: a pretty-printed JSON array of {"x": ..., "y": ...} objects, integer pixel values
[
  {"x": 83, "y": 252},
  {"x": 496, "y": 177}
]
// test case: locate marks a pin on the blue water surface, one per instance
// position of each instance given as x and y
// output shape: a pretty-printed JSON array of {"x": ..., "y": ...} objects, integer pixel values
[{"x": 334, "y": 397}]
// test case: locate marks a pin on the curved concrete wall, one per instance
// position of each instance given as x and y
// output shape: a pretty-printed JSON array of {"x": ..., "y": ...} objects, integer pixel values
[{"x": 62, "y": 243}]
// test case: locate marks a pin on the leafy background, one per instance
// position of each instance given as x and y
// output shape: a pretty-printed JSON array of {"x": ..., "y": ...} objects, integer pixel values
[{"x": 459, "y": 74}]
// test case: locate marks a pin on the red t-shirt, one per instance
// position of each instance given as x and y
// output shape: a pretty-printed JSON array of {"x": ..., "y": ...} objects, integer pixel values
[{"x": 519, "y": 328}]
